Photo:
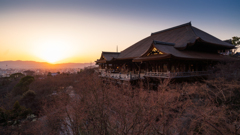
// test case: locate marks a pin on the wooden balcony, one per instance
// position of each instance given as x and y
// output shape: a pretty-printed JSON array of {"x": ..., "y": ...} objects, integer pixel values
[
  {"x": 177, "y": 74},
  {"x": 163, "y": 75},
  {"x": 119, "y": 76}
]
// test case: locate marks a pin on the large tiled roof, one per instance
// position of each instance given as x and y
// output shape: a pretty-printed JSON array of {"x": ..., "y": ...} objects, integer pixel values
[{"x": 181, "y": 36}]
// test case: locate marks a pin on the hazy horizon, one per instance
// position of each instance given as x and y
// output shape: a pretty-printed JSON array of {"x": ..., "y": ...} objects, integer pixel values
[
  {"x": 43, "y": 62},
  {"x": 40, "y": 65},
  {"x": 78, "y": 31}
]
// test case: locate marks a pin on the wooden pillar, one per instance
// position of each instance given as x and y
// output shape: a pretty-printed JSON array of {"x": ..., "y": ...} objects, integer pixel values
[
  {"x": 149, "y": 67},
  {"x": 133, "y": 67},
  {"x": 161, "y": 67},
  {"x": 196, "y": 66},
  {"x": 130, "y": 66},
  {"x": 182, "y": 67},
  {"x": 191, "y": 66},
  {"x": 174, "y": 67},
  {"x": 146, "y": 66},
  {"x": 169, "y": 66},
  {"x": 139, "y": 70},
  {"x": 186, "y": 67},
  {"x": 179, "y": 66}
]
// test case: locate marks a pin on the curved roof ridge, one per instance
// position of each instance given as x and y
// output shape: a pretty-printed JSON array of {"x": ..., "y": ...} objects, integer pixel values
[
  {"x": 185, "y": 24},
  {"x": 136, "y": 43},
  {"x": 194, "y": 32}
]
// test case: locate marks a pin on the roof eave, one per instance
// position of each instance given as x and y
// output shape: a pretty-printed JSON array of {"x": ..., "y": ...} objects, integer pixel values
[{"x": 227, "y": 47}]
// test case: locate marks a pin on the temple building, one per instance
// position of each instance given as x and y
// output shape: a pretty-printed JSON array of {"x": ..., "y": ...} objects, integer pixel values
[{"x": 181, "y": 51}]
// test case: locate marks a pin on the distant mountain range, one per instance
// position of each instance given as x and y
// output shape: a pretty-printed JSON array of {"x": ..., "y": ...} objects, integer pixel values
[{"x": 40, "y": 65}]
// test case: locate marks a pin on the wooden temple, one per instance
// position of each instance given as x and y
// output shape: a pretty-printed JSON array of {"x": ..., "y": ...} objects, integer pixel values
[{"x": 181, "y": 51}]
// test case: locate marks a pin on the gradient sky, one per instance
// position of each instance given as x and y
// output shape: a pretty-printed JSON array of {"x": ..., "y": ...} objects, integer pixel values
[{"x": 78, "y": 31}]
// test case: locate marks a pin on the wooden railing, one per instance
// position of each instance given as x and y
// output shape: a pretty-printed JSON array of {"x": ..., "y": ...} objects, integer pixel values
[
  {"x": 101, "y": 70},
  {"x": 178, "y": 74},
  {"x": 154, "y": 74},
  {"x": 120, "y": 76}
]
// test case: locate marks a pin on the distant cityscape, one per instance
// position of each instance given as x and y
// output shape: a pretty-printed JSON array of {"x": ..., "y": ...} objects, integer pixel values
[
  {"x": 43, "y": 68},
  {"x": 8, "y": 72}
]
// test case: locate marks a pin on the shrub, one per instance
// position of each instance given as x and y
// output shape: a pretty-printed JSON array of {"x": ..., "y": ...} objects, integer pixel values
[
  {"x": 16, "y": 107},
  {"x": 49, "y": 74},
  {"x": 2, "y": 115},
  {"x": 16, "y": 75},
  {"x": 28, "y": 96},
  {"x": 23, "y": 85},
  {"x": 17, "y": 113}
]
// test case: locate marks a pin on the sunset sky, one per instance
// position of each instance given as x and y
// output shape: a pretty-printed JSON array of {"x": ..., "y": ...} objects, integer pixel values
[{"x": 78, "y": 31}]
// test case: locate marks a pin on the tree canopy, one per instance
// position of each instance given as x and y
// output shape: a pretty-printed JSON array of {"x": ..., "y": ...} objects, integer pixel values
[
  {"x": 49, "y": 74},
  {"x": 16, "y": 75},
  {"x": 23, "y": 85},
  {"x": 236, "y": 40}
]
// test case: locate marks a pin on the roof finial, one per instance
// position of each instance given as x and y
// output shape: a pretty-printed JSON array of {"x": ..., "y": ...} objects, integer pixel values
[{"x": 190, "y": 23}]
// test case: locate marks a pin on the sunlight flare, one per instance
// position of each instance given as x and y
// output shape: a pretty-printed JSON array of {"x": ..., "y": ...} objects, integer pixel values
[{"x": 52, "y": 50}]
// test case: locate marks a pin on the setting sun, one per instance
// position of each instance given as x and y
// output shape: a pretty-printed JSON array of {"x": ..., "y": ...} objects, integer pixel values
[{"x": 52, "y": 50}]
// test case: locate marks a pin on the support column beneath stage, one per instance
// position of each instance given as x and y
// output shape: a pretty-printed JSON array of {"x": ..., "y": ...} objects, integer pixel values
[
  {"x": 161, "y": 67},
  {"x": 169, "y": 66},
  {"x": 146, "y": 65}
]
